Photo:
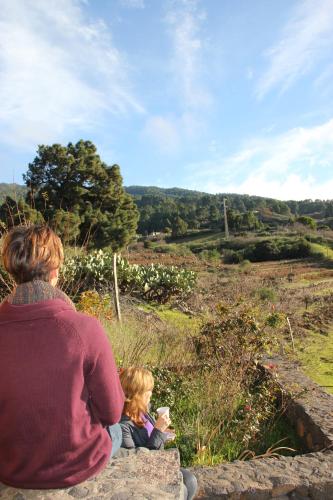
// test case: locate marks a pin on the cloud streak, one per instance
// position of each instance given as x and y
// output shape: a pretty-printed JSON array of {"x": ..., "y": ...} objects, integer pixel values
[
  {"x": 296, "y": 164},
  {"x": 170, "y": 133},
  {"x": 306, "y": 39},
  {"x": 184, "y": 20},
  {"x": 58, "y": 72}
]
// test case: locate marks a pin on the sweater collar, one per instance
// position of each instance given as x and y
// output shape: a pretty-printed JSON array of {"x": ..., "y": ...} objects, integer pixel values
[{"x": 36, "y": 291}]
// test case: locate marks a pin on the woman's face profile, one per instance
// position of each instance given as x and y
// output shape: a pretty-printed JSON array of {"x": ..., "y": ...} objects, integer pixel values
[{"x": 147, "y": 396}]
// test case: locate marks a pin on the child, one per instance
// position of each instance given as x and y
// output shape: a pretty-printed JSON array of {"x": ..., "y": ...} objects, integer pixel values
[{"x": 139, "y": 428}]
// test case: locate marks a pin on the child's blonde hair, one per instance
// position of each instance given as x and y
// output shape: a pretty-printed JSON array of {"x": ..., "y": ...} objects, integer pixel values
[{"x": 135, "y": 382}]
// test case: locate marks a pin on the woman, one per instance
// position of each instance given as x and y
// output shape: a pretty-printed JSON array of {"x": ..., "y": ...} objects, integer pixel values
[
  {"x": 59, "y": 387},
  {"x": 139, "y": 428}
]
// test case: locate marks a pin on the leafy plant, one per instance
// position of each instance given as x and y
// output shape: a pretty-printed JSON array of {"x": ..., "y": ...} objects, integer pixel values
[
  {"x": 154, "y": 282},
  {"x": 94, "y": 304}
]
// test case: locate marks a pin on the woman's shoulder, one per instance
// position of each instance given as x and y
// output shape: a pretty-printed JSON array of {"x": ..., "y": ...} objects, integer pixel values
[{"x": 126, "y": 421}]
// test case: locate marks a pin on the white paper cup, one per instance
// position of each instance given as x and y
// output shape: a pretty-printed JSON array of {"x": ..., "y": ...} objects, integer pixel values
[{"x": 163, "y": 410}]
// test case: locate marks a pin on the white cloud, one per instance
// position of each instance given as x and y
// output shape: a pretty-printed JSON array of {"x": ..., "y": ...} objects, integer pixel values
[
  {"x": 184, "y": 20},
  {"x": 292, "y": 187},
  {"x": 306, "y": 39},
  {"x": 272, "y": 166},
  {"x": 58, "y": 72}
]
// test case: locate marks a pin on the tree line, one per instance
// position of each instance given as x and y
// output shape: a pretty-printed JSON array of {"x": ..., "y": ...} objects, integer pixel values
[{"x": 84, "y": 199}]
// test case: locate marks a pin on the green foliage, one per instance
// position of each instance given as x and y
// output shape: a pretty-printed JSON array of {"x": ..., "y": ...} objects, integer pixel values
[
  {"x": 232, "y": 257},
  {"x": 245, "y": 266},
  {"x": 154, "y": 282},
  {"x": 178, "y": 227},
  {"x": 277, "y": 249},
  {"x": 148, "y": 244},
  {"x": 95, "y": 304},
  {"x": 72, "y": 179},
  {"x": 6, "y": 283},
  {"x": 213, "y": 255},
  {"x": 173, "y": 249},
  {"x": 14, "y": 191},
  {"x": 67, "y": 225},
  {"x": 266, "y": 294},
  {"x": 307, "y": 221},
  {"x": 275, "y": 319},
  {"x": 235, "y": 333},
  {"x": 13, "y": 213}
]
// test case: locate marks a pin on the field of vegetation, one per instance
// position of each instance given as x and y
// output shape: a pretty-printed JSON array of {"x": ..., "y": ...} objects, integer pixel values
[
  {"x": 203, "y": 326},
  {"x": 201, "y": 310}
]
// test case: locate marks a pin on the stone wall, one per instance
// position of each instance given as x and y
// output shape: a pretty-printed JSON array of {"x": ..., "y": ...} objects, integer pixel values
[
  {"x": 307, "y": 476},
  {"x": 140, "y": 475}
]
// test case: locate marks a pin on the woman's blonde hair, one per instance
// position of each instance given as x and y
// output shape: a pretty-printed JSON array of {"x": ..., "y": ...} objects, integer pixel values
[
  {"x": 135, "y": 382},
  {"x": 31, "y": 253}
]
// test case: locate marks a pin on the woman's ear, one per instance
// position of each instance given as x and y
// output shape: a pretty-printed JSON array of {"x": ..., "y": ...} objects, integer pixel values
[{"x": 54, "y": 275}]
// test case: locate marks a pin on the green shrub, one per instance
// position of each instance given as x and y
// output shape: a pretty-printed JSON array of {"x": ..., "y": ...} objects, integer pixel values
[
  {"x": 277, "y": 249},
  {"x": 232, "y": 256},
  {"x": 213, "y": 255},
  {"x": 245, "y": 266},
  {"x": 275, "y": 319},
  {"x": 173, "y": 249},
  {"x": 307, "y": 221},
  {"x": 235, "y": 334},
  {"x": 266, "y": 294},
  {"x": 148, "y": 244},
  {"x": 218, "y": 406}
]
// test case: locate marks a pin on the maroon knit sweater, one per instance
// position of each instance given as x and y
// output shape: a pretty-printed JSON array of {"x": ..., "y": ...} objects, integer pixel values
[{"x": 59, "y": 387}]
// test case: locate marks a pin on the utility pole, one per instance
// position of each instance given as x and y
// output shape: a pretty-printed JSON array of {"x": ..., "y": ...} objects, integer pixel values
[{"x": 226, "y": 229}]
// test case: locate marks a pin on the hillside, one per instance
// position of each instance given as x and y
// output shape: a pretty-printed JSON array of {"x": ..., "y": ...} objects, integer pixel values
[
  {"x": 158, "y": 191},
  {"x": 178, "y": 210},
  {"x": 15, "y": 191}
]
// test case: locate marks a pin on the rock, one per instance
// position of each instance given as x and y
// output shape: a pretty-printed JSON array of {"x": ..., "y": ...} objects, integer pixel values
[
  {"x": 152, "y": 475},
  {"x": 282, "y": 485}
]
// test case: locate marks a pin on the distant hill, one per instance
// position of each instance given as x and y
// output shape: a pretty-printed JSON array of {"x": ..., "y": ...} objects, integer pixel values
[
  {"x": 152, "y": 195},
  {"x": 157, "y": 191},
  {"x": 15, "y": 191}
]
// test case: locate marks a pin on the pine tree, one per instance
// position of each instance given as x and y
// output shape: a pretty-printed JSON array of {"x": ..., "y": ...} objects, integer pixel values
[{"x": 73, "y": 179}]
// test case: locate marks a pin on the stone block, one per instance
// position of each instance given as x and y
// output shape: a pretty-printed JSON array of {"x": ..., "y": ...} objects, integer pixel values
[
  {"x": 321, "y": 491},
  {"x": 282, "y": 485}
]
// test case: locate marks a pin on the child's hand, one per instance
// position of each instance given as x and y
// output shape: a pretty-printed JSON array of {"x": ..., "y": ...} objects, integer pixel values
[{"x": 163, "y": 422}]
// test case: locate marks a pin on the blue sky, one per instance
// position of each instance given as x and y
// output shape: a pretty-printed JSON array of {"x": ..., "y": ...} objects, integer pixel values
[{"x": 213, "y": 95}]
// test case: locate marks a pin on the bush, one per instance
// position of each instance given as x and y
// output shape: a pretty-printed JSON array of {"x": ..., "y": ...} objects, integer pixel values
[
  {"x": 213, "y": 255},
  {"x": 148, "y": 244},
  {"x": 277, "y": 249},
  {"x": 266, "y": 294},
  {"x": 234, "y": 334},
  {"x": 94, "y": 304},
  {"x": 307, "y": 221},
  {"x": 218, "y": 406},
  {"x": 245, "y": 266},
  {"x": 232, "y": 256},
  {"x": 173, "y": 249}
]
